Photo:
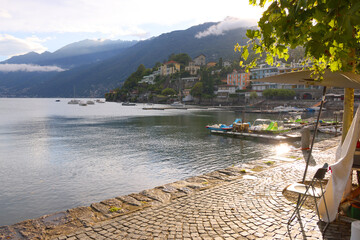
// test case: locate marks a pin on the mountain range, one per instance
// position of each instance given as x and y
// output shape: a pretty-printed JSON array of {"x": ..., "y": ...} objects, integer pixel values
[{"x": 95, "y": 67}]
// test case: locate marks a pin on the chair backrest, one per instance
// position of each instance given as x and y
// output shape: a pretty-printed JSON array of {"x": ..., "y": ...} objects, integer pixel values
[{"x": 320, "y": 173}]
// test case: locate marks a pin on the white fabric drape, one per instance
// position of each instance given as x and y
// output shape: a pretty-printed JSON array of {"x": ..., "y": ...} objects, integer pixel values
[{"x": 339, "y": 184}]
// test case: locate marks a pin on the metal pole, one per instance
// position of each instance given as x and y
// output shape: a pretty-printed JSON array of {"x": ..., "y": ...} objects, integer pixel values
[{"x": 315, "y": 130}]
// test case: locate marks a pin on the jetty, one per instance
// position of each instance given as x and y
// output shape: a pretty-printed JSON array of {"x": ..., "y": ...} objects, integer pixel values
[{"x": 259, "y": 137}]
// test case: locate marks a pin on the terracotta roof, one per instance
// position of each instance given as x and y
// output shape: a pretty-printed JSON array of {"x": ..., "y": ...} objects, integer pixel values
[{"x": 169, "y": 62}]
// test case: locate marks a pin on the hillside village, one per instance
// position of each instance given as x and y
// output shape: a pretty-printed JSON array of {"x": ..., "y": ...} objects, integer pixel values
[{"x": 196, "y": 81}]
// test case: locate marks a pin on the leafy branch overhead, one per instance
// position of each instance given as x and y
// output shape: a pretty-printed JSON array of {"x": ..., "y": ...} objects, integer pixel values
[{"x": 327, "y": 29}]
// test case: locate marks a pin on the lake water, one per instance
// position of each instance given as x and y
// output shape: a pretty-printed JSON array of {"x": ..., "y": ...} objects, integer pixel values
[{"x": 55, "y": 156}]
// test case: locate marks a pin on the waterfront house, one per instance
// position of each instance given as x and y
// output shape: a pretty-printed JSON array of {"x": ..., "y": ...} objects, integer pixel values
[
  {"x": 148, "y": 79},
  {"x": 263, "y": 71},
  {"x": 225, "y": 90},
  {"x": 200, "y": 60},
  {"x": 239, "y": 79},
  {"x": 169, "y": 68},
  {"x": 192, "y": 68}
]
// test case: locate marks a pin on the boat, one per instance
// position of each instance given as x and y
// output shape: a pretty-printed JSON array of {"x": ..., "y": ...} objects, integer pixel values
[
  {"x": 82, "y": 103},
  {"x": 313, "y": 109},
  {"x": 268, "y": 126},
  {"x": 223, "y": 127},
  {"x": 74, "y": 101},
  {"x": 286, "y": 109},
  {"x": 57, "y": 100},
  {"x": 177, "y": 104},
  {"x": 128, "y": 104},
  {"x": 219, "y": 127},
  {"x": 100, "y": 101},
  {"x": 89, "y": 102},
  {"x": 331, "y": 129}
]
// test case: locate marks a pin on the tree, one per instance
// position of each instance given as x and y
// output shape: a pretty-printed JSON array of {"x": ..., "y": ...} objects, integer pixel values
[
  {"x": 208, "y": 82},
  {"x": 197, "y": 90},
  {"x": 168, "y": 91},
  {"x": 253, "y": 95},
  {"x": 329, "y": 30},
  {"x": 182, "y": 58}
]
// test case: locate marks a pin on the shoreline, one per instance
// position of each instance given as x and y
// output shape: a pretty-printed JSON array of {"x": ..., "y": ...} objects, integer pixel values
[{"x": 81, "y": 218}]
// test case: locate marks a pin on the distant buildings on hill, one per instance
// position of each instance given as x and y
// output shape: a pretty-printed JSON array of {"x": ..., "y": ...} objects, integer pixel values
[{"x": 237, "y": 81}]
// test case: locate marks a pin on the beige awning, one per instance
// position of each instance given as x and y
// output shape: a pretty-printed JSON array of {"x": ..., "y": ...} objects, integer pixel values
[{"x": 331, "y": 79}]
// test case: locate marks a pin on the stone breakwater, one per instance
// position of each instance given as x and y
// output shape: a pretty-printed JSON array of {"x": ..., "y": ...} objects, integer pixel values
[{"x": 202, "y": 207}]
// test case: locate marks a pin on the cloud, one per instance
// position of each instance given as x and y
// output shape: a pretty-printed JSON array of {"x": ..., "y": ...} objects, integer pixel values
[
  {"x": 119, "y": 18},
  {"x": 11, "y": 46},
  {"x": 4, "y": 14},
  {"x": 228, "y": 24},
  {"x": 28, "y": 68}
]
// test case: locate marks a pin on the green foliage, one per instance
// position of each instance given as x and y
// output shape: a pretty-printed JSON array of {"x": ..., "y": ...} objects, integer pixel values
[
  {"x": 253, "y": 95},
  {"x": 182, "y": 58},
  {"x": 197, "y": 90},
  {"x": 208, "y": 82},
  {"x": 279, "y": 93},
  {"x": 132, "y": 81},
  {"x": 168, "y": 92},
  {"x": 328, "y": 31}
]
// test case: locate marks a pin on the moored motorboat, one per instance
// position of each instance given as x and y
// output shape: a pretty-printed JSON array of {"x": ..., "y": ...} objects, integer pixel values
[
  {"x": 89, "y": 102},
  {"x": 219, "y": 127},
  {"x": 128, "y": 104},
  {"x": 177, "y": 105},
  {"x": 223, "y": 127},
  {"x": 74, "y": 101},
  {"x": 82, "y": 103}
]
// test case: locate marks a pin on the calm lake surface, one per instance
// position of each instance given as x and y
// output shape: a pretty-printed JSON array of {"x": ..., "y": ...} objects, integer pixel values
[{"x": 55, "y": 156}]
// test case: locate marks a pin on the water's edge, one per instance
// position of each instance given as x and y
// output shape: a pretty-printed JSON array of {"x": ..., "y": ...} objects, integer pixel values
[{"x": 75, "y": 219}]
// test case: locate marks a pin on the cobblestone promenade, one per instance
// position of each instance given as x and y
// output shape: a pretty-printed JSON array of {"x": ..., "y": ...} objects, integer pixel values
[{"x": 250, "y": 206}]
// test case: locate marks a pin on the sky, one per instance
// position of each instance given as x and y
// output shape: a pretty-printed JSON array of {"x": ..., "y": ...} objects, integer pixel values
[{"x": 47, "y": 25}]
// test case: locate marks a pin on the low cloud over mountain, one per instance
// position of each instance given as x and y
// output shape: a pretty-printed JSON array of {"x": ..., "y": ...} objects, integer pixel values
[
  {"x": 28, "y": 68},
  {"x": 229, "y": 23}
]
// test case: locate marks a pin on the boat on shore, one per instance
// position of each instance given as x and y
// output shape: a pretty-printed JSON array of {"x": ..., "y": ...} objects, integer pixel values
[
  {"x": 128, "y": 104},
  {"x": 177, "y": 105}
]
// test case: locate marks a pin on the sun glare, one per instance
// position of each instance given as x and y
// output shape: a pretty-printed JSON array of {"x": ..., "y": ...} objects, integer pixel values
[{"x": 282, "y": 149}]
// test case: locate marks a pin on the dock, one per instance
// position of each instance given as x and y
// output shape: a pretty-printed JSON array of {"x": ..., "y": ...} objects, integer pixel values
[{"x": 259, "y": 137}]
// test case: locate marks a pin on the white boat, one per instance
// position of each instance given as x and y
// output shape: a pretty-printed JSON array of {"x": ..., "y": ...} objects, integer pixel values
[
  {"x": 74, "y": 101},
  {"x": 331, "y": 129},
  {"x": 260, "y": 125},
  {"x": 128, "y": 104},
  {"x": 82, "y": 103},
  {"x": 100, "y": 101},
  {"x": 288, "y": 109},
  {"x": 177, "y": 104},
  {"x": 268, "y": 126},
  {"x": 89, "y": 102}
]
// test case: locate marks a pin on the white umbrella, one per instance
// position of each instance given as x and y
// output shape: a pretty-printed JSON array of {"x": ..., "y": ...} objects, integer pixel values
[{"x": 330, "y": 79}]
